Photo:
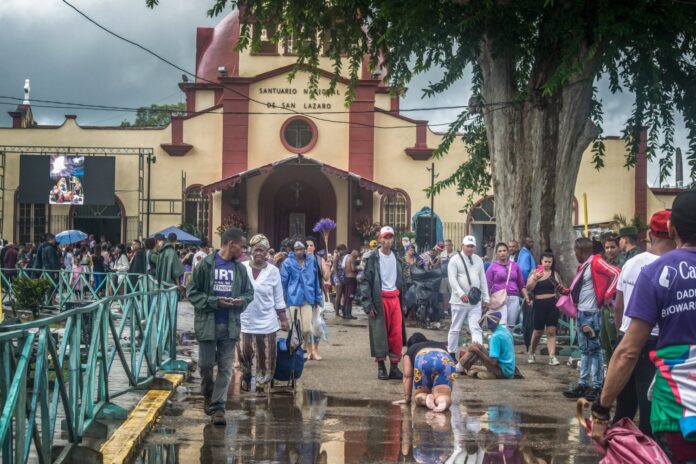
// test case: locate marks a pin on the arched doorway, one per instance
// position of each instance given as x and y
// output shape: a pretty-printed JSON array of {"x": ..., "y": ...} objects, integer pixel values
[
  {"x": 101, "y": 220},
  {"x": 481, "y": 224},
  {"x": 292, "y": 200}
]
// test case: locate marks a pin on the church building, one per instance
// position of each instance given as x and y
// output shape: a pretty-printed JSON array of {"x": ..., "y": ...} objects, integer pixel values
[{"x": 254, "y": 150}]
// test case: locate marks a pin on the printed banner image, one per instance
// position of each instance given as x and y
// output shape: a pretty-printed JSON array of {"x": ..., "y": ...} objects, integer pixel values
[{"x": 67, "y": 172}]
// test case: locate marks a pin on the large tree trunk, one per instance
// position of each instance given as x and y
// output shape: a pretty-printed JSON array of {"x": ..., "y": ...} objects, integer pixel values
[{"x": 536, "y": 148}]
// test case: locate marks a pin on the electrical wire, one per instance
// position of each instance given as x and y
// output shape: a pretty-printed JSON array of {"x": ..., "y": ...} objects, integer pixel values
[
  {"x": 246, "y": 97},
  {"x": 162, "y": 110}
]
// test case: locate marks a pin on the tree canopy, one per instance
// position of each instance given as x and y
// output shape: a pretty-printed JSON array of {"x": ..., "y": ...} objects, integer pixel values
[
  {"x": 646, "y": 47},
  {"x": 155, "y": 115},
  {"x": 534, "y": 107}
]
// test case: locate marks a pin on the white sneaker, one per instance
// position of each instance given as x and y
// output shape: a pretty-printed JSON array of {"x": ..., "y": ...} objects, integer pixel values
[
  {"x": 553, "y": 361},
  {"x": 531, "y": 358}
]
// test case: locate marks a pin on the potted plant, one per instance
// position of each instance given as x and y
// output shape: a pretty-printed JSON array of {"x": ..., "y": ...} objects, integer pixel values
[
  {"x": 233, "y": 221},
  {"x": 29, "y": 294},
  {"x": 366, "y": 229}
]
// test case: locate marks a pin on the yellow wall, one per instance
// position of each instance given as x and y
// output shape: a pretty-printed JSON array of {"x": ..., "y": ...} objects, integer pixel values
[
  {"x": 658, "y": 202},
  {"x": 204, "y": 99},
  {"x": 394, "y": 168},
  {"x": 264, "y": 130},
  {"x": 201, "y": 164},
  {"x": 609, "y": 190}
]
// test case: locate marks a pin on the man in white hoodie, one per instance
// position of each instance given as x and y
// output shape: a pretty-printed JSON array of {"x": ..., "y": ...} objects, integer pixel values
[{"x": 465, "y": 271}]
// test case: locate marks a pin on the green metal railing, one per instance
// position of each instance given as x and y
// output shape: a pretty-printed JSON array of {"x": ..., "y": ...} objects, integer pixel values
[{"x": 64, "y": 369}]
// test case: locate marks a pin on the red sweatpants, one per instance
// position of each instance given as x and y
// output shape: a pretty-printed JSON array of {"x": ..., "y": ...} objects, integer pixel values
[{"x": 393, "y": 322}]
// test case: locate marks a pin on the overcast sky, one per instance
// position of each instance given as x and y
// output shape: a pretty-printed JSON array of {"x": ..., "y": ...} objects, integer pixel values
[{"x": 69, "y": 59}]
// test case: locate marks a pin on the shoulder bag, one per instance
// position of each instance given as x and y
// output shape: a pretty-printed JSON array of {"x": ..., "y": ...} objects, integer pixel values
[
  {"x": 474, "y": 294},
  {"x": 565, "y": 303},
  {"x": 499, "y": 298}
]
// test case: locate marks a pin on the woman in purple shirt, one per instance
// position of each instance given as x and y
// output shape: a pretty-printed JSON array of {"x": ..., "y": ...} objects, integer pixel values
[{"x": 497, "y": 276}]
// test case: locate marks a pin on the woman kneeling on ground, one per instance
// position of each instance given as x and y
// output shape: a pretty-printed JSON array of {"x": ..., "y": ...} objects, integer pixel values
[
  {"x": 428, "y": 374},
  {"x": 260, "y": 319}
]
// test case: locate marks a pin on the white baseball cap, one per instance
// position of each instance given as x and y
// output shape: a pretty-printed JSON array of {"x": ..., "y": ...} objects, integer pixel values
[
  {"x": 386, "y": 230},
  {"x": 469, "y": 240}
]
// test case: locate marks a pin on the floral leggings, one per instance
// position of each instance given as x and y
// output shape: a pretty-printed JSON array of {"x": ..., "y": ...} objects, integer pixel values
[{"x": 432, "y": 369}]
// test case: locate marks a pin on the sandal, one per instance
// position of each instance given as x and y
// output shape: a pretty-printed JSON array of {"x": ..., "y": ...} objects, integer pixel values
[{"x": 245, "y": 384}]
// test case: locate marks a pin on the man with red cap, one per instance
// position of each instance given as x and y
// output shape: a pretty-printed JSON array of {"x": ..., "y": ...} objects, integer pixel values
[
  {"x": 381, "y": 292},
  {"x": 634, "y": 396}
]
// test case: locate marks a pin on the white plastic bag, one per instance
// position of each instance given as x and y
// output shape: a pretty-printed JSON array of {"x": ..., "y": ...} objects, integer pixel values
[{"x": 319, "y": 328}]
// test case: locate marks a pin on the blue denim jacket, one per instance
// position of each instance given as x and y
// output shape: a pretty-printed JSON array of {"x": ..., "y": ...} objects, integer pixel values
[{"x": 300, "y": 284}]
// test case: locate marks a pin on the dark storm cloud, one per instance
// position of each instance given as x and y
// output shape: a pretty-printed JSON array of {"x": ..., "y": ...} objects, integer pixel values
[{"x": 69, "y": 59}]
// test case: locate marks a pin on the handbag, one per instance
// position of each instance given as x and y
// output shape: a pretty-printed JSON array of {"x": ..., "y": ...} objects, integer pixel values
[
  {"x": 565, "y": 303},
  {"x": 295, "y": 336},
  {"x": 499, "y": 298},
  {"x": 474, "y": 294}
]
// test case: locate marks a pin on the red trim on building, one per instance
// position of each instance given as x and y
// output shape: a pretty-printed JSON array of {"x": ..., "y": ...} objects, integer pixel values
[
  {"x": 312, "y": 142},
  {"x": 204, "y": 36},
  {"x": 394, "y": 103},
  {"x": 235, "y": 125},
  {"x": 667, "y": 190},
  {"x": 231, "y": 181},
  {"x": 177, "y": 147},
  {"x": 361, "y": 135},
  {"x": 284, "y": 70}
]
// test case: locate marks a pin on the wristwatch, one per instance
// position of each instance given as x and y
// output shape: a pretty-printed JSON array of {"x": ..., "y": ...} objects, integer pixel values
[{"x": 599, "y": 410}]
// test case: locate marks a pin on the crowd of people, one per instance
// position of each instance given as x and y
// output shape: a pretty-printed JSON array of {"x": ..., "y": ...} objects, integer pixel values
[
  {"x": 649, "y": 297},
  {"x": 634, "y": 311},
  {"x": 158, "y": 256}
]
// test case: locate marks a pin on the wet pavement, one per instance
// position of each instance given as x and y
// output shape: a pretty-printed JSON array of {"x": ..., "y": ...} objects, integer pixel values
[
  {"x": 340, "y": 413},
  {"x": 312, "y": 427}
]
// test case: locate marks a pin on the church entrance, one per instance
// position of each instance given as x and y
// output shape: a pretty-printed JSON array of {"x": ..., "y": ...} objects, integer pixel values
[
  {"x": 100, "y": 220},
  {"x": 292, "y": 200}
]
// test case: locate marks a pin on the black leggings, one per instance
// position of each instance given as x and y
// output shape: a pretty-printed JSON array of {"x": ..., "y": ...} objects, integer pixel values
[{"x": 545, "y": 314}]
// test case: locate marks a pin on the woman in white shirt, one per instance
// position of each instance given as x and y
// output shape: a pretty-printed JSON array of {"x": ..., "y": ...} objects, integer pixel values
[{"x": 260, "y": 319}]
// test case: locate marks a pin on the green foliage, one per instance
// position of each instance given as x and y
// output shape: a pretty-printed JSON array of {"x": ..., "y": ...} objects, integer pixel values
[
  {"x": 192, "y": 229},
  {"x": 636, "y": 222},
  {"x": 645, "y": 47},
  {"x": 29, "y": 293},
  {"x": 155, "y": 115}
]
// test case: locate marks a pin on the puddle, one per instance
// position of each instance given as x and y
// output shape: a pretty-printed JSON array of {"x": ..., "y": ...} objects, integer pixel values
[{"x": 311, "y": 427}]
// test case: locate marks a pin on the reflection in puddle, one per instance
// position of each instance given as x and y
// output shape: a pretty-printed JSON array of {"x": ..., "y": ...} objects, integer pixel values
[{"x": 311, "y": 427}]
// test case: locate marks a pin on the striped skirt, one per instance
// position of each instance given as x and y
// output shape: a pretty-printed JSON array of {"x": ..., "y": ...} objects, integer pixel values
[{"x": 263, "y": 348}]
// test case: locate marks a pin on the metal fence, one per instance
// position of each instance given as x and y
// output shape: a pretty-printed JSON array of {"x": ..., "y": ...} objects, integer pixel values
[
  {"x": 455, "y": 231},
  {"x": 58, "y": 371}
]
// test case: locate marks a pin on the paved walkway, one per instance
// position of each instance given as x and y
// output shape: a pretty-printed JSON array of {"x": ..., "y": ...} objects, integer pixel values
[{"x": 341, "y": 413}]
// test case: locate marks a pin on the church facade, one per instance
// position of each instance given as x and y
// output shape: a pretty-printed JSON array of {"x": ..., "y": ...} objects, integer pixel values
[{"x": 254, "y": 150}]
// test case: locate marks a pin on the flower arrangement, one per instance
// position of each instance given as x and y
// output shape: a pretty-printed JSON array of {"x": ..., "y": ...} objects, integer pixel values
[
  {"x": 366, "y": 229},
  {"x": 233, "y": 221},
  {"x": 324, "y": 227}
]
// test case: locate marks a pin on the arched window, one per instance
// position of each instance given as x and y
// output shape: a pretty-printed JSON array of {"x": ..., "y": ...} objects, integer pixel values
[
  {"x": 395, "y": 212},
  {"x": 483, "y": 212},
  {"x": 196, "y": 207}
]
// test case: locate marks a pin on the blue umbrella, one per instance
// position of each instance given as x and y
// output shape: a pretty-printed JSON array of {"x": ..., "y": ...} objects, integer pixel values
[{"x": 70, "y": 236}]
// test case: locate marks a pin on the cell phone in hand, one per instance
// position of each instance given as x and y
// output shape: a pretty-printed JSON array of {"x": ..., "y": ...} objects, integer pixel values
[{"x": 540, "y": 268}]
